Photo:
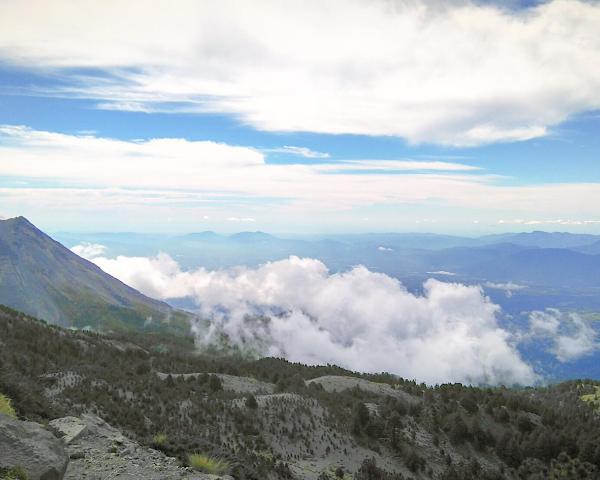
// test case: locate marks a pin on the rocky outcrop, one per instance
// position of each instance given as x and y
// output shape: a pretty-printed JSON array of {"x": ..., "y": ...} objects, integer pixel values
[
  {"x": 99, "y": 451},
  {"x": 33, "y": 448}
]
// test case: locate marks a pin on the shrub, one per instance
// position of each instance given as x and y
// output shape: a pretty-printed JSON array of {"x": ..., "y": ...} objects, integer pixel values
[
  {"x": 14, "y": 473},
  {"x": 215, "y": 384},
  {"x": 251, "y": 402},
  {"x": 160, "y": 439},
  {"x": 207, "y": 464},
  {"x": 6, "y": 407}
]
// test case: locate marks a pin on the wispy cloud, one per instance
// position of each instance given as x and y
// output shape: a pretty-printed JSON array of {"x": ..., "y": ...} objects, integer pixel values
[
  {"x": 560, "y": 221},
  {"x": 300, "y": 151},
  {"x": 424, "y": 71},
  {"x": 509, "y": 287},
  {"x": 392, "y": 165},
  {"x": 50, "y": 170}
]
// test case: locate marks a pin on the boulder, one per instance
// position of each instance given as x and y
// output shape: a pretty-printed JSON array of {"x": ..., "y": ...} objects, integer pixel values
[
  {"x": 68, "y": 428},
  {"x": 33, "y": 448}
]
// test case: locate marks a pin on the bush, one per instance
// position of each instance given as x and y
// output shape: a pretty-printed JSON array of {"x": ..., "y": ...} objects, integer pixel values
[
  {"x": 6, "y": 407},
  {"x": 251, "y": 402},
  {"x": 159, "y": 440},
  {"x": 215, "y": 384},
  {"x": 14, "y": 473},
  {"x": 206, "y": 464}
]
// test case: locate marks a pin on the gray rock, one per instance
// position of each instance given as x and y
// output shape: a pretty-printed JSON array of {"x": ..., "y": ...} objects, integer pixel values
[
  {"x": 69, "y": 428},
  {"x": 33, "y": 448},
  {"x": 110, "y": 454}
]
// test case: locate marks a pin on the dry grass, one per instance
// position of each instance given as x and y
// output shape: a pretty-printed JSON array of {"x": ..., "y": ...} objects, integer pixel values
[
  {"x": 5, "y": 406},
  {"x": 207, "y": 464},
  {"x": 159, "y": 439}
]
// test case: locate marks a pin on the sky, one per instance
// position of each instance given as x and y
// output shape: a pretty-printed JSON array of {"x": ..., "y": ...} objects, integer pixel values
[{"x": 305, "y": 117}]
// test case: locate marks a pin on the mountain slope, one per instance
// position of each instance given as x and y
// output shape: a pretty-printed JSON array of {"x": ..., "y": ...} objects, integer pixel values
[
  {"x": 43, "y": 278},
  {"x": 270, "y": 419},
  {"x": 556, "y": 267}
]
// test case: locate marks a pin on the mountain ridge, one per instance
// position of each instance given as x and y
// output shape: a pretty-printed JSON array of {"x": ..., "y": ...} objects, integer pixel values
[{"x": 41, "y": 277}]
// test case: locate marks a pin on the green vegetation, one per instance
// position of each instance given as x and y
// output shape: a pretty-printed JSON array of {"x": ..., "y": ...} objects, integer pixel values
[
  {"x": 14, "y": 473},
  {"x": 159, "y": 440},
  {"x": 592, "y": 398},
  {"x": 465, "y": 432},
  {"x": 6, "y": 407},
  {"x": 207, "y": 464}
]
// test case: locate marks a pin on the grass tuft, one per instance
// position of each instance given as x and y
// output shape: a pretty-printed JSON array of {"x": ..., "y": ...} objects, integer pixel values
[
  {"x": 207, "y": 464},
  {"x": 6, "y": 407},
  {"x": 159, "y": 439}
]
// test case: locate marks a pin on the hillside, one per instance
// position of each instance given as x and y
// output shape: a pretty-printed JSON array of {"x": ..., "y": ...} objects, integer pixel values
[
  {"x": 270, "y": 419},
  {"x": 43, "y": 278}
]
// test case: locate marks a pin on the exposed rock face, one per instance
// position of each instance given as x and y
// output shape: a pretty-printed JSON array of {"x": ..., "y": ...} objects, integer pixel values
[
  {"x": 31, "y": 447},
  {"x": 68, "y": 428},
  {"x": 98, "y": 451}
]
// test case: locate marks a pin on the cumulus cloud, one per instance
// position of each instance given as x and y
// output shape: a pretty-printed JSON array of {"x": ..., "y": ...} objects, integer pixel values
[
  {"x": 571, "y": 337},
  {"x": 358, "y": 319},
  {"x": 426, "y": 71},
  {"x": 89, "y": 250}
]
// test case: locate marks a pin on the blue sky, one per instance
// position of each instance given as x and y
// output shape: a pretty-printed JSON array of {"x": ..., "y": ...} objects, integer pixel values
[{"x": 447, "y": 117}]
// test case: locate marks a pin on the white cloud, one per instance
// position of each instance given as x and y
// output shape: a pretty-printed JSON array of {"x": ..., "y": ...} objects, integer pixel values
[
  {"x": 391, "y": 165},
  {"x": 447, "y": 72},
  {"x": 442, "y": 272},
  {"x": 381, "y": 248},
  {"x": 571, "y": 336},
  {"x": 89, "y": 250},
  {"x": 241, "y": 219},
  {"x": 60, "y": 173},
  {"x": 358, "y": 319},
  {"x": 560, "y": 221},
  {"x": 509, "y": 287},
  {"x": 300, "y": 151}
]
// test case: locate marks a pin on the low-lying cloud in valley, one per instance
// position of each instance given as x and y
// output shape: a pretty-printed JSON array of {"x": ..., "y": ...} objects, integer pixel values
[
  {"x": 570, "y": 336},
  {"x": 358, "y": 319}
]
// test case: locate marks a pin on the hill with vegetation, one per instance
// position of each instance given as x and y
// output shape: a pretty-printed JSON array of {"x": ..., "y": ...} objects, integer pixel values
[
  {"x": 43, "y": 278},
  {"x": 271, "y": 419}
]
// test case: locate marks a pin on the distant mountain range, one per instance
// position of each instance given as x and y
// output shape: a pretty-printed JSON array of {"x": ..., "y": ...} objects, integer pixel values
[
  {"x": 547, "y": 259},
  {"x": 41, "y": 277}
]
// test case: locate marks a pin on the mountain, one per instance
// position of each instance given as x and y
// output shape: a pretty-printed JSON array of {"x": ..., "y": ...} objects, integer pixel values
[
  {"x": 41, "y": 277},
  {"x": 558, "y": 267},
  {"x": 543, "y": 239},
  {"x": 252, "y": 237},
  {"x": 112, "y": 397},
  {"x": 591, "y": 249}
]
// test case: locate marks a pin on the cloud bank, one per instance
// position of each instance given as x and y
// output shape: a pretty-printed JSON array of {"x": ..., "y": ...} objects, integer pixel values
[
  {"x": 357, "y": 319},
  {"x": 426, "y": 71}
]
